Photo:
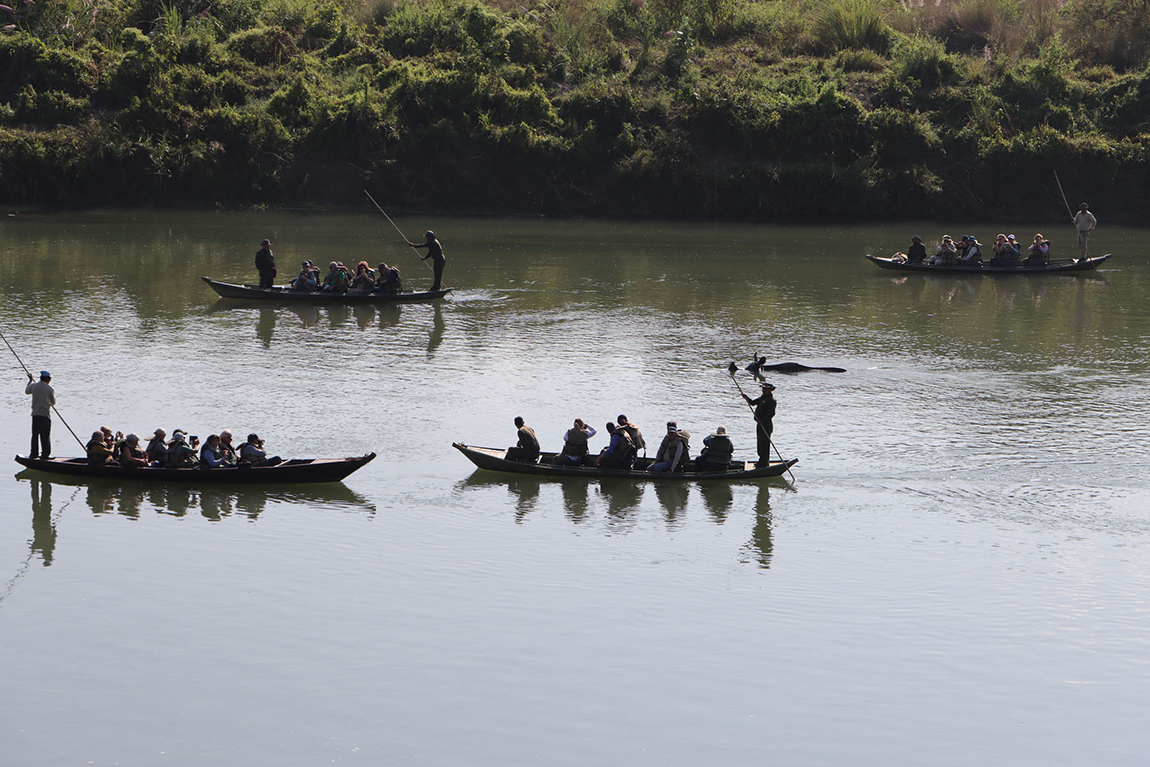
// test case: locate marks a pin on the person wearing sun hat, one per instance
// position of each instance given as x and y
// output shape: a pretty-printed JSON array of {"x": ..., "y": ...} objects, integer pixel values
[
  {"x": 43, "y": 400},
  {"x": 764, "y": 406}
]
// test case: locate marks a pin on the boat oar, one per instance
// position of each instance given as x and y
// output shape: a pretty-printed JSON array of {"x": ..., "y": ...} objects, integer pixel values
[
  {"x": 770, "y": 441},
  {"x": 54, "y": 410},
  {"x": 384, "y": 212}
]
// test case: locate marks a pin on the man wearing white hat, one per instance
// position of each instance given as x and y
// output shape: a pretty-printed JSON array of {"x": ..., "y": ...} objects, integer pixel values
[{"x": 43, "y": 400}]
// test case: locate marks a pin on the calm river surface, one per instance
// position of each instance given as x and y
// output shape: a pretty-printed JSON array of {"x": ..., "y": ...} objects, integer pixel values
[{"x": 959, "y": 573}]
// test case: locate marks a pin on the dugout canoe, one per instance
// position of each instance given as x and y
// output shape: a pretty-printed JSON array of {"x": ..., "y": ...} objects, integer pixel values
[
  {"x": 296, "y": 471},
  {"x": 283, "y": 293},
  {"x": 494, "y": 459},
  {"x": 1061, "y": 266}
]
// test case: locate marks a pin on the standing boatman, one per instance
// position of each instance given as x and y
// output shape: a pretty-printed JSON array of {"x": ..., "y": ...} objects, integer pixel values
[
  {"x": 1084, "y": 222},
  {"x": 266, "y": 264},
  {"x": 764, "y": 413},
  {"x": 435, "y": 253},
  {"x": 43, "y": 400}
]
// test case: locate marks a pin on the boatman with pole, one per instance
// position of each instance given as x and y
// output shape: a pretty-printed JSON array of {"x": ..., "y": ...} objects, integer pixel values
[
  {"x": 43, "y": 400},
  {"x": 266, "y": 264},
  {"x": 1084, "y": 222},
  {"x": 435, "y": 253},
  {"x": 764, "y": 406}
]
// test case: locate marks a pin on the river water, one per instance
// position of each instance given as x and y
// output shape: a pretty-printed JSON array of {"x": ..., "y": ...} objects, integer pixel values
[{"x": 956, "y": 574}]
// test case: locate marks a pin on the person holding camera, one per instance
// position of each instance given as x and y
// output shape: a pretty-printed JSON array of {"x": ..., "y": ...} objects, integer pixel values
[{"x": 253, "y": 452}]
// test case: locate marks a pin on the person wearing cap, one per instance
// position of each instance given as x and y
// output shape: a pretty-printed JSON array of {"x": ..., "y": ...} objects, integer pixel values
[
  {"x": 717, "y": 451},
  {"x": 633, "y": 432},
  {"x": 674, "y": 453},
  {"x": 388, "y": 280},
  {"x": 945, "y": 253},
  {"x": 266, "y": 264},
  {"x": 253, "y": 452},
  {"x": 435, "y": 253},
  {"x": 43, "y": 400},
  {"x": 308, "y": 278},
  {"x": 971, "y": 251},
  {"x": 337, "y": 279},
  {"x": 916, "y": 254},
  {"x": 180, "y": 453},
  {"x": 1004, "y": 253},
  {"x": 764, "y": 406},
  {"x": 1084, "y": 222},
  {"x": 620, "y": 451},
  {"x": 526, "y": 448}
]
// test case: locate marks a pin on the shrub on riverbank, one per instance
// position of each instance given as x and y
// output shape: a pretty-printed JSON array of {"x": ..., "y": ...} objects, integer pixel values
[{"x": 717, "y": 108}]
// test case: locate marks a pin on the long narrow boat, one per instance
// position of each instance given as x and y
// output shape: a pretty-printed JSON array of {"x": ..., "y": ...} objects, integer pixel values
[
  {"x": 295, "y": 471},
  {"x": 284, "y": 293},
  {"x": 1061, "y": 266},
  {"x": 495, "y": 459}
]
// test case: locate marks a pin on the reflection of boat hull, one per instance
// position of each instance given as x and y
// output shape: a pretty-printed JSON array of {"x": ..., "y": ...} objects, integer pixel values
[
  {"x": 280, "y": 293},
  {"x": 1054, "y": 267},
  {"x": 302, "y": 470},
  {"x": 493, "y": 459}
]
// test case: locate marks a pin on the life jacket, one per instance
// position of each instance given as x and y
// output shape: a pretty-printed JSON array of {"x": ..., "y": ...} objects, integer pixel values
[
  {"x": 390, "y": 280},
  {"x": 626, "y": 450},
  {"x": 124, "y": 451},
  {"x": 719, "y": 449},
  {"x": 632, "y": 431},
  {"x": 576, "y": 443},
  {"x": 156, "y": 450}
]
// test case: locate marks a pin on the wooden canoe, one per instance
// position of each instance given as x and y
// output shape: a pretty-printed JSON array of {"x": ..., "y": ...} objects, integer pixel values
[
  {"x": 494, "y": 459},
  {"x": 1061, "y": 266},
  {"x": 284, "y": 293},
  {"x": 299, "y": 470}
]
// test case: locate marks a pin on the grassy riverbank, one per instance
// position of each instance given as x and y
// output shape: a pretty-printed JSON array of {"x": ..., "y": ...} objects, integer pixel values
[{"x": 665, "y": 108}]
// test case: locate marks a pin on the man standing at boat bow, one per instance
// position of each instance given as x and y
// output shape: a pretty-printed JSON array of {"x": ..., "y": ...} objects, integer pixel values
[
  {"x": 43, "y": 400},
  {"x": 1084, "y": 222}
]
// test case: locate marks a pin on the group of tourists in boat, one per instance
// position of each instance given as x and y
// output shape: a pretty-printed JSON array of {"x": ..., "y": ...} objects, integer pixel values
[
  {"x": 625, "y": 440},
  {"x": 1006, "y": 251},
  {"x": 181, "y": 452},
  {"x": 341, "y": 279}
]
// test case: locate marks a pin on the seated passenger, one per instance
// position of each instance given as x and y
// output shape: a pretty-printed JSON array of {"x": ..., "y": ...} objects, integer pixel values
[
  {"x": 717, "y": 451},
  {"x": 388, "y": 280},
  {"x": 916, "y": 254},
  {"x": 253, "y": 452},
  {"x": 620, "y": 451},
  {"x": 526, "y": 449},
  {"x": 99, "y": 454},
  {"x": 1039, "y": 252},
  {"x": 337, "y": 280},
  {"x": 364, "y": 280},
  {"x": 575, "y": 444},
  {"x": 157, "y": 449},
  {"x": 634, "y": 433},
  {"x": 946, "y": 252},
  {"x": 131, "y": 455},
  {"x": 1005, "y": 253},
  {"x": 181, "y": 452},
  {"x": 674, "y": 453},
  {"x": 210, "y": 454},
  {"x": 227, "y": 448},
  {"x": 971, "y": 251},
  {"x": 308, "y": 278}
]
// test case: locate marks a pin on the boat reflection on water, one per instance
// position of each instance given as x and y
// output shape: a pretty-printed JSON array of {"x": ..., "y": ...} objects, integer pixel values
[
  {"x": 617, "y": 504},
  {"x": 215, "y": 502}
]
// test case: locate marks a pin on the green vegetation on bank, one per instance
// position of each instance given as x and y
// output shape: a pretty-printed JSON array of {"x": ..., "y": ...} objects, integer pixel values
[{"x": 752, "y": 109}]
